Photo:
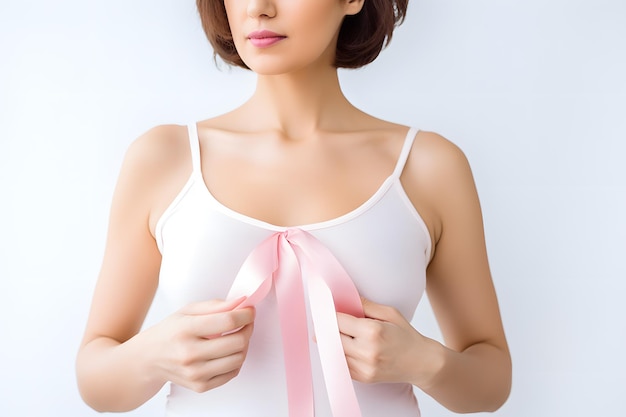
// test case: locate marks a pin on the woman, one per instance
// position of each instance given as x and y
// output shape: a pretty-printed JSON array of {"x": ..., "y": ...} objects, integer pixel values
[{"x": 298, "y": 169}]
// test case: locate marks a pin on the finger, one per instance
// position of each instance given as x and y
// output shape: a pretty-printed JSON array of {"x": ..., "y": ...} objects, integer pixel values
[
  {"x": 211, "y": 306},
  {"x": 380, "y": 312},
  {"x": 221, "y": 346},
  {"x": 210, "y": 325},
  {"x": 222, "y": 360},
  {"x": 350, "y": 346},
  {"x": 220, "y": 380},
  {"x": 349, "y": 325},
  {"x": 210, "y": 376},
  {"x": 223, "y": 365},
  {"x": 360, "y": 372}
]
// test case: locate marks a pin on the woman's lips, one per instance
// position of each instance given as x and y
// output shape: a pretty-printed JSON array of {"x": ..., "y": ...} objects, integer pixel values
[{"x": 264, "y": 38}]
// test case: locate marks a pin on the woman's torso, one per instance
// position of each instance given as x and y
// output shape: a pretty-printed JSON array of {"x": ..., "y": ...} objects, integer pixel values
[{"x": 205, "y": 235}]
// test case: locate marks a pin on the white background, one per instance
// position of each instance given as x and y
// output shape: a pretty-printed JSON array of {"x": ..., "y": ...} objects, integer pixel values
[{"x": 534, "y": 92}]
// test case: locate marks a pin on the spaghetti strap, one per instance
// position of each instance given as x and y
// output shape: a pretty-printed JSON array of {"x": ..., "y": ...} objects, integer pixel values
[
  {"x": 194, "y": 146},
  {"x": 404, "y": 153}
]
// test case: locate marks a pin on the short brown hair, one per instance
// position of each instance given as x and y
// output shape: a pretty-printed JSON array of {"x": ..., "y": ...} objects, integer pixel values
[{"x": 361, "y": 36}]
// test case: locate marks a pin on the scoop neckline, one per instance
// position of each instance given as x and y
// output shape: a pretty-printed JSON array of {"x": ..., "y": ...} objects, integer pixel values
[
  {"x": 343, "y": 218},
  {"x": 364, "y": 206}
]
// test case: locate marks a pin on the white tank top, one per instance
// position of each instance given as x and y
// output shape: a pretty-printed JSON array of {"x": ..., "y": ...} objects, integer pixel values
[{"x": 384, "y": 245}]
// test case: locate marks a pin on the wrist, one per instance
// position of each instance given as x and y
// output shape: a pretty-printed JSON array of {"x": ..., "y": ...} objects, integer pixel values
[
  {"x": 434, "y": 357},
  {"x": 146, "y": 365}
]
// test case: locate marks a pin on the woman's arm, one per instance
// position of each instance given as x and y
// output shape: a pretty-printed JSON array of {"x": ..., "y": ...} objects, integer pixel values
[
  {"x": 124, "y": 291},
  {"x": 472, "y": 372},
  {"x": 118, "y": 367},
  {"x": 476, "y": 364}
]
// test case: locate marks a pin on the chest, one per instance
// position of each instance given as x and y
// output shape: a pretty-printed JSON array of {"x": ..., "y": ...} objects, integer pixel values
[{"x": 296, "y": 183}]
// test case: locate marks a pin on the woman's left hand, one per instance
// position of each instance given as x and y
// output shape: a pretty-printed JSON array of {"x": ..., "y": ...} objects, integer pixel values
[{"x": 384, "y": 347}]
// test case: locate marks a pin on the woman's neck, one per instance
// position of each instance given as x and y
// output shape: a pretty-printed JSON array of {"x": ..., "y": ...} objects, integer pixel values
[{"x": 298, "y": 104}]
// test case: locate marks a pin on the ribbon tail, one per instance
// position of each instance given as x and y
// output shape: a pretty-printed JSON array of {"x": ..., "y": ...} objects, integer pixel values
[
  {"x": 346, "y": 297},
  {"x": 295, "y": 335},
  {"x": 341, "y": 395},
  {"x": 330, "y": 290}
]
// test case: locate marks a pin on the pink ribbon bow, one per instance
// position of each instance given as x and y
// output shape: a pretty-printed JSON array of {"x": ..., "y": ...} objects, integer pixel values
[{"x": 284, "y": 261}]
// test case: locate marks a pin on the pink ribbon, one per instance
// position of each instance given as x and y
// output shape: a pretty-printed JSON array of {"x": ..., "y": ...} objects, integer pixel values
[{"x": 285, "y": 261}]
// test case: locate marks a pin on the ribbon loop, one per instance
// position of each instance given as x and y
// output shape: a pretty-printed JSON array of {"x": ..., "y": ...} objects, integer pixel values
[{"x": 285, "y": 261}]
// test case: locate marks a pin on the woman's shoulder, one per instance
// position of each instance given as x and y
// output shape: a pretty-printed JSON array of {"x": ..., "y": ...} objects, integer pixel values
[
  {"x": 437, "y": 178},
  {"x": 158, "y": 145},
  {"x": 155, "y": 167},
  {"x": 436, "y": 158},
  {"x": 431, "y": 154}
]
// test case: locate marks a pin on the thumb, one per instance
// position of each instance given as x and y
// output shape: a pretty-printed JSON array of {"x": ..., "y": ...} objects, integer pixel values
[
  {"x": 377, "y": 311},
  {"x": 211, "y": 306}
]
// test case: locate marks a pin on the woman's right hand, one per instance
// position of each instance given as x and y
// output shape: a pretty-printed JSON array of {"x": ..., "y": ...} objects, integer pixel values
[{"x": 201, "y": 346}]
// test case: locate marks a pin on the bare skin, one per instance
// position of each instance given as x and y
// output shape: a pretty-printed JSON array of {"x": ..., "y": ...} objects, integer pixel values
[{"x": 317, "y": 157}]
